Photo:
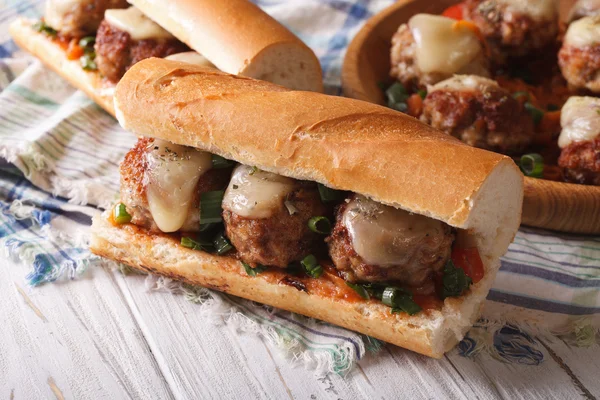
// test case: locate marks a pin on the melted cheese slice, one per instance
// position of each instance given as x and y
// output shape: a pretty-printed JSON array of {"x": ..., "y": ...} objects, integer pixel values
[
  {"x": 465, "y": 83},
  {"x": 256, "y": 194},
  {"x": 132, "y": 21},
  {"x": 441, "y": 45},
  {"x": 171, "y": 178},
  {"x": 540, "y": 10},
  {"x": 584, "y": 8},
  {"x": 386, "y": 236},
  {"x": 580, "y": 120},
  {"x": 583, "y": 32},
  {"x": 191, "y": 57},
  {"x": 58, "y": 10}
]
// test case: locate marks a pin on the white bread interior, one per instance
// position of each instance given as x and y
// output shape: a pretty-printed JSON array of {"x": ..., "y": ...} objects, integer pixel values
[
  {"x": 239, "y": 38},
  {"x": 55, "y": 57},
  {"x": 343, "y": 143}
]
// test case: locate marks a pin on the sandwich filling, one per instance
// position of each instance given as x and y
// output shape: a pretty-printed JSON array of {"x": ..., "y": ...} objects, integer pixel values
[{"x": 275, "y": 224}]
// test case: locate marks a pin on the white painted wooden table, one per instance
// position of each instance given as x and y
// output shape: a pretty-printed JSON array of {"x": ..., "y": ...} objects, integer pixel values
[{"x": 103, "y": 336}]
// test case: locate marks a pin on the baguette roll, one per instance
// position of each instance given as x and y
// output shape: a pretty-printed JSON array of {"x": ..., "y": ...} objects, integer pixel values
[
  {"x": 342, "y": 143},
  {"x": 239, "y": 38},
  {"x": 54, "y": 55}
]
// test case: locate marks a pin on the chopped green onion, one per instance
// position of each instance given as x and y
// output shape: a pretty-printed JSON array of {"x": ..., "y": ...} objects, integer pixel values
[
  {"x": 311, "y": 266},
  {"x": 208, "y": 227},
  {"x": 219, "y": 162},
  {"x": 390, "y": 294},
  {"x": 532, "y": 165},
  {"x": 120, "y": 214},
  {"x": 222, "y": 245},
  {"x": 254, "y": 271},
  {"x": 422, "y": 93},
  {"x": 210, "y": 207},
  {"x": 400, "y": 300},
  {"x": 253, "y": 170},
  {"x": 454, "y": 281},
  {"x": 396, "y": 93},
  {"x": 42, "y": 27},
  {"x": 87, "y": 61},
  {"x": 402, "y": 107},
  {"x": 87, "y": 42},
  {"x": 329, "y": 195},
  {"x": 535, "y": 112},
  {"x": 319, "y": 225},
  {"x": 407, "y": 305},
  {"x": 362, "y": 292},
  {"x": 196, "y": 245},
  {"x": 552, "y": 107},
  {"x": 521, "y": 93}
]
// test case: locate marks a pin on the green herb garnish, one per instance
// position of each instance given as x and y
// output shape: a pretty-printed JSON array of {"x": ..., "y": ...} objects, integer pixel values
[
  {"x": 362, "y": 292},
  {"x": 311, "y": 266},
  {"x": 210, "y": 207},
  {"x": 254, "y": 271},
  {"x": 319, "y": 225},
  {"x": 120, "y": 214},
  {"x": 454, "y": 281}
]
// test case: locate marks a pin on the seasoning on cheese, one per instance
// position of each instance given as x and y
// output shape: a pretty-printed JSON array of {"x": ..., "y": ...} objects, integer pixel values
[
  {"x": 580, "y": 120},
  {"x": 256, "y": 194},
  {"x": 171, "y": 178},
  {"x": 583, "y": 32},
  {"x": 191, "y": 57},
  {"x": 465, "y": 83},
  {"x": 386, "y": 236},
  {"x": 442, "y": 46},
  {"x": 132, "y": 21},
  {"x": 540, "y": 10},
  {"x": 58, "y": 10}
]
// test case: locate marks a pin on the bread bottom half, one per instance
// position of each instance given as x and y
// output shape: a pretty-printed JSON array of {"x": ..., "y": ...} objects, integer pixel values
[
  {"x": 54, "y": 56},
  {"x": 431, "y": 332}
]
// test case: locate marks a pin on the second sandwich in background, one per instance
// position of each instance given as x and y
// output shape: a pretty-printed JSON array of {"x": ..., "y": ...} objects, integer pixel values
[{"x": 92, "y": 50}]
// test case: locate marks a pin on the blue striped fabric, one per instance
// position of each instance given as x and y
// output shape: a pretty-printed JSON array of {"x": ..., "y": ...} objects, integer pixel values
[{"x": 62, "y": 144}]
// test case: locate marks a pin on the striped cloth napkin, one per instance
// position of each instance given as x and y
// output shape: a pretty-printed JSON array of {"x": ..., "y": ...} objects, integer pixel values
[{"x": 63, "y": 153}]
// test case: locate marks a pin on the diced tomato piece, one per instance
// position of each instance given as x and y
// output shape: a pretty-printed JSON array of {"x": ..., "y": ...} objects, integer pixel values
[
  {"x": 415, "y": 105},
  {"x": 454, "y": 12},
  {"x": 74, "y": 51},
  {"x": 469, "y": 261}
]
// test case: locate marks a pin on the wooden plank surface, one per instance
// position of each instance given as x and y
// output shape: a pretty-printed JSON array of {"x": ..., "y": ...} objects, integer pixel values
[{"x": 106, "y": 336}]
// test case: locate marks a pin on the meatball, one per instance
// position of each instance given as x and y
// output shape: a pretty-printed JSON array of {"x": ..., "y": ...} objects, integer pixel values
[
  {"x": 135, "y": 180},
  {"x": 583, "y": 8},
  {"x": 480, "y": 113},
  {"x": 580, "y": 140},
  {"x": 372, "y": 242},
  {"x": 266, "y": 217},
  {"x": 579, "y": 56},
  {"x": 445, "y": 50},
  {"x": 581, "y": 161},
  {"x": 117, "y": 51},
  {"x": 78, "y": 18},
  {"x": 514, "y": 28}
]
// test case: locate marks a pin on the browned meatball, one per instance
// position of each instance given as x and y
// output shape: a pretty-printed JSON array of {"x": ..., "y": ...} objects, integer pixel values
[
  {"x": 270, "y": 230},
  {"x": 116, "y": 52},
  {"x": 579, "y": 56},
  {"x": 404, "y": 65},
  {"x": 514, "y": 28},
  {"x": 401, "y": 247},
  {"x": 581, "y": 161},
  {"x": 480, "y": 113},
  {"x": 78, "y": 18},
  {"x": 134, "y": 170}
]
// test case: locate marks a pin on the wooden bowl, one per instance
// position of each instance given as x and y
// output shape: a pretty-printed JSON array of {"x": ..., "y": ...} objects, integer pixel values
[{"x": 552, "y": 205}]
